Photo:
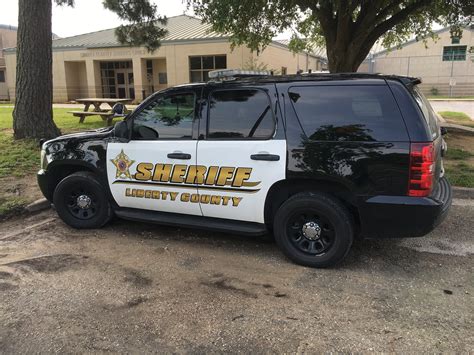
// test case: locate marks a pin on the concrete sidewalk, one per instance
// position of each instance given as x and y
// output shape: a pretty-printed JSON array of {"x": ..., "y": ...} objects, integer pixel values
[{"x": 459, "y": 106}]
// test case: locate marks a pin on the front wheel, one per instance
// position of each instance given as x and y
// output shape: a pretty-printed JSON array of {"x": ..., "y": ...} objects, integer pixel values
[
  {"x": 313, "y": 229},
  {"x": 81, "y": 201}
]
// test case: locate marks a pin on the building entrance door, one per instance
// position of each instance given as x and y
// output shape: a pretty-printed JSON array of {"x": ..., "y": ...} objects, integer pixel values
[{"x": 124, "y": 83}]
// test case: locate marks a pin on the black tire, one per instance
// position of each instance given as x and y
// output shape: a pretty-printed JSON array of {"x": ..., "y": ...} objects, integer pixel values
[
  {"x": 314, "y": 229},
  {"x": 81, "y": 202}
]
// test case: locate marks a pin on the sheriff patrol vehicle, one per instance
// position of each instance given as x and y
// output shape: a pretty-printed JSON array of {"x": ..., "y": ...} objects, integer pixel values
[{"x": 315, "y": 159}]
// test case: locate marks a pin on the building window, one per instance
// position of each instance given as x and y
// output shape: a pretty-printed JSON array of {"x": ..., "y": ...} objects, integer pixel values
[
  {"x": 149, "y": 75},
  {"x": 2, "y": 76},
  {"x": 455, "y": 40},
  {"x": 149, "y": 71},
  {"x": 113, "y": 79},
  {"x": 454, "y": 53},
  {"x": 162, "y": 78},
  {"x": 283, "y": 70},
  {"x": 199, "y": 67}
]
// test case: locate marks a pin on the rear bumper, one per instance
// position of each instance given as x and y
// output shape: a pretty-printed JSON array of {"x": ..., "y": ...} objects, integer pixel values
[{"x": 404, "y": 216}]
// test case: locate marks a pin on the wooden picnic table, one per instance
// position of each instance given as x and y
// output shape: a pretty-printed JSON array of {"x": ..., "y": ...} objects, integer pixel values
[
  {"x": 106, "y": 115},
  {"x": 97, "y": 101}
]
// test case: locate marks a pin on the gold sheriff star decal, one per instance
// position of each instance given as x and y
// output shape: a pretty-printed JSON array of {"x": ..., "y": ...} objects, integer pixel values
[{"x": 123, "y": 163}]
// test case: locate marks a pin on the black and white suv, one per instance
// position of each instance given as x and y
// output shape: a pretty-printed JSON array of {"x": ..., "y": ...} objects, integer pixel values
[{"x": 316, "y": 159}]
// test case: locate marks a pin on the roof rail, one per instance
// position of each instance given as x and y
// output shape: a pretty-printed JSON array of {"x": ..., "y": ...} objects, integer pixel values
[{"x": 222, "y": 74}]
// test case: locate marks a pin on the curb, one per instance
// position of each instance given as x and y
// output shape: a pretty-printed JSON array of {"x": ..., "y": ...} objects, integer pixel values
[
  {"x": 464, "y": 193},
  {"x": 457, "y": 128},
  {"x": 38, "y": 205},
  {"x": 447, "y": 100}
]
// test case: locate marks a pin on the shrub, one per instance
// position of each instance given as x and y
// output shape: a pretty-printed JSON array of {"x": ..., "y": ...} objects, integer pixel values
[{"x": 434, "y": 91}]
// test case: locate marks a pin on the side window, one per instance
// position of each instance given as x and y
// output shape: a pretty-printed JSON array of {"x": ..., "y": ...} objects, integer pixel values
[
  {"x": 166, "y": 117},
  {"x": 348, "y": 113},
  {"x": 240, "y": 114},
  {"x": 427, "y": 111}
]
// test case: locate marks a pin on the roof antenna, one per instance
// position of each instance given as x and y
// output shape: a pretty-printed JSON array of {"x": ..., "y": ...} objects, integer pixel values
[{"x": 309, "y": 71}]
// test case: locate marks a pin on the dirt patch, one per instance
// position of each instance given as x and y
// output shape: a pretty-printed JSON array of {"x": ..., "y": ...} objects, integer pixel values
[
  {"x": 182, "y": 291},
  {"x": 49, "y": 263},
  {"x": 136, "y": 278},
  {"x": 5, "y": 275},
  {"x": 136, "y": 301},
  {"x": 460, "y": 140},
  {"x": 225, "y": 284},
  {"x": 190, "y": 263},
  {"x": 6, "y": 286},
  {"x": 16, "y": 193}
]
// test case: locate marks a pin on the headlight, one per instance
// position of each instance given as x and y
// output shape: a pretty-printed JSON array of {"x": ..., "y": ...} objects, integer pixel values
[{"x": 44, "y": 160}]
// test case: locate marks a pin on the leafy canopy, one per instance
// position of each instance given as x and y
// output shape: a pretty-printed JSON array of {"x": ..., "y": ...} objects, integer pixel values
[{"x": 348, "y": 28}]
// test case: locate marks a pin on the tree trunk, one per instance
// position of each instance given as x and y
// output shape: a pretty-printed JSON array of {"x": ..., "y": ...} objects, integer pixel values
[
  {"x": 339, "y": 63},
  {"x": 33, "y": 116},
  {"x": 342, "y": 59}
]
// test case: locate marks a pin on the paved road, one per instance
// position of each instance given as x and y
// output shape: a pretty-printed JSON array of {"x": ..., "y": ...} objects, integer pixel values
[
  {"x": 144, "y": 288},
  {"x": 460, "y": 106}
]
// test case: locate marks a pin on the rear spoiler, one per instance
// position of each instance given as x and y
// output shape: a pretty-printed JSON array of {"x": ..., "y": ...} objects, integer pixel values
[{"x": 410, "y": 80}]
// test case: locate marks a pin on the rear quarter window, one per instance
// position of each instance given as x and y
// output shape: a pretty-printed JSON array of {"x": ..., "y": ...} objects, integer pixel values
[
  {"x": 348, "y": 113},
  {"x": 427, "y": 111}
]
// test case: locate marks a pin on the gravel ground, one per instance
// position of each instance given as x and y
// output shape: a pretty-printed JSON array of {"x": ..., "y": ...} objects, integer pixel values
[{"x": 133, "y": 287}]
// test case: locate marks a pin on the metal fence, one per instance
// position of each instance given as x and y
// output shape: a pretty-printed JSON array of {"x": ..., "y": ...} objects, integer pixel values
[{"x": 448, "y": 75}]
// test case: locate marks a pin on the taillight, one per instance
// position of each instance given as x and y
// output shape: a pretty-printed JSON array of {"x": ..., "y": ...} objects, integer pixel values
[{"x": 422, "y": 166}]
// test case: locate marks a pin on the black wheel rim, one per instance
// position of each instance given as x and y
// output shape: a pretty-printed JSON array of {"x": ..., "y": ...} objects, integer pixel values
[
  {"x": 81, "y": 203},
  {"x": 311, "y": 232}
]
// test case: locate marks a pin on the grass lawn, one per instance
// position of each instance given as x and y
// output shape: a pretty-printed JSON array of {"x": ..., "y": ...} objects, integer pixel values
[
  {"x": 459, "y": 160},
  {"x": 459, "y": 118},
  {"x": 19, "y": 160}
]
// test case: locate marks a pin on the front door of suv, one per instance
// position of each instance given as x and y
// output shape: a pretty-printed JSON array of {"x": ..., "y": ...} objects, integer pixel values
[
  {"x": 151, "y": 170},
  {"x": 239, "y": 151}
]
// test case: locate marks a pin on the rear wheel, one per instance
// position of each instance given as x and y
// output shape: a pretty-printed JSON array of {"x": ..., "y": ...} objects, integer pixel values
[
  {"x": 314, "y": 229},
  {"x": 81, "y": 201}
]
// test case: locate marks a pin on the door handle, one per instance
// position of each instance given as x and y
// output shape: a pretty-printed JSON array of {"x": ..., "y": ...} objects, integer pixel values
[
  {"x": 182, "y": 156},
  {"x": 265, "y": 156}
]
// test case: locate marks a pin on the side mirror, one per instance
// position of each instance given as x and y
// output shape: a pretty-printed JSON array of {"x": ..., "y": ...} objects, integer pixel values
[
  {"x": 444, "y": 131},
  {"x": 121, "y": 130}
]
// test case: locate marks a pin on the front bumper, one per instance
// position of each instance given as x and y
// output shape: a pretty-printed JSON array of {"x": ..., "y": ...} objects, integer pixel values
[
  {"x": 43, "y": 183},
  {"x": 404, "y": 216}
]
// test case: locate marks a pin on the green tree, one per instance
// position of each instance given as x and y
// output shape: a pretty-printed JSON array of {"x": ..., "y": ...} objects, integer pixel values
[
  {"x": 254, "y": 64},
  {"x": 348, "y": 28},
  {"x": 33, "y": 115}
]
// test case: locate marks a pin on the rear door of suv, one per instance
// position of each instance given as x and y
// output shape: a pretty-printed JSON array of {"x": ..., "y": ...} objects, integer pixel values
[
  {"x": 349, "y": 132},
  {"x": 242, "y": 149}
]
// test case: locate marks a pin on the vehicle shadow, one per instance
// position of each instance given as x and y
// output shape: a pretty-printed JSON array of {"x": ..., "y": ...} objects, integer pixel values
[{"x": 373, "y": 253}]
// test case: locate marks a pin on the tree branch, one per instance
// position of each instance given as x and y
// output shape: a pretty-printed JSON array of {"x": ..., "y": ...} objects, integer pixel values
[
  {"x": 395, "y": 19},
  {"x": 386, "y": 11}
]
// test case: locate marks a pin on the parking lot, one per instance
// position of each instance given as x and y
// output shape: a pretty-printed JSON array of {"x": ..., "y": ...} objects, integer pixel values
[{"x": 134, "y": 287}]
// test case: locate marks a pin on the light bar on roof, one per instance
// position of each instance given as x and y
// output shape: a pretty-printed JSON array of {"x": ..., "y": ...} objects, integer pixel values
[{"x": 229, "y": 73}]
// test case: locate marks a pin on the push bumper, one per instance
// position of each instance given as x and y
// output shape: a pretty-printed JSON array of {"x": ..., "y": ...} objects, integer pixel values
[
  {"x": 404, "y": 216},
  {"x": 43, "y": 183}
]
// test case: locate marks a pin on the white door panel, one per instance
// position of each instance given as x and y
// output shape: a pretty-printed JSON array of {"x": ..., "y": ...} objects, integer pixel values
[
  {"x": 244, "y": 183},
  {"x": 159, "y": 183}
]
